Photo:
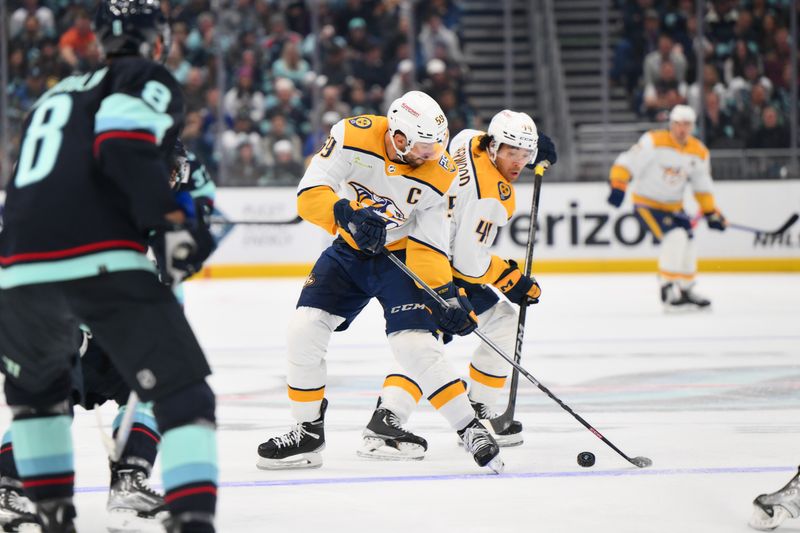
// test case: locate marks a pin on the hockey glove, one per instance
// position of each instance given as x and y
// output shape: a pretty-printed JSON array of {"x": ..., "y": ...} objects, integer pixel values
[
  {"x": 367, "y": 227},
  {"x": 458, "y": 318},
  {"x": 517, "y": 287},
  {"x": 181, "y": 250},
  {"x": 616, "y": 197},
  {"x": 546, "y": 151},
  {"x": 716, "y": 221}
]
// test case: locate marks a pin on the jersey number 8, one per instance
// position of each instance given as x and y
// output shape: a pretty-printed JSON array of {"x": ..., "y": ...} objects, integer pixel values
[{"x": 43, "y": 140}]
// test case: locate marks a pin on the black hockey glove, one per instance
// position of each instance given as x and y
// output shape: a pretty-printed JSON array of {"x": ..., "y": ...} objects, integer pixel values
[
  {"x": 616, "y": 196},
  {"x": 716, "y": 221},
  {"x": 517, "y": 287},
  {"x": 458, "y": 318},
  {"x": 546, "y": 151},
  {"x": 181, "y": 250},
  {"x": 367, "y": 227}
]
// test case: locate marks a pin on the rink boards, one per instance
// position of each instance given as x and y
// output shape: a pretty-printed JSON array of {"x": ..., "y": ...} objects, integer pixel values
[{"x": 578, "y": 232}]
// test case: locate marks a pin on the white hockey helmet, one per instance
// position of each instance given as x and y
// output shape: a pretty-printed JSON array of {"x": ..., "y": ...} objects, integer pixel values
[
  {"x": 515, "y": 129},
  {"x": 682, "y": 113},
  {"x": 422, "y": 121}
]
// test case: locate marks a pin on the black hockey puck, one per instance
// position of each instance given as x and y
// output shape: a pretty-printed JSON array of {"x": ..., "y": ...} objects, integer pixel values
[{"x": 586, "y": 459}]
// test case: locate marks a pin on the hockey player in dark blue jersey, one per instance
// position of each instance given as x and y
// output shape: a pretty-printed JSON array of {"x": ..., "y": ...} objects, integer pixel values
[{"x": 89, "y": 193}]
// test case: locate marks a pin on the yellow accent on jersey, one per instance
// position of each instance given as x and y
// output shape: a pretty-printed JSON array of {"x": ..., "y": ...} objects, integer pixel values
[
  {"x": 316, "y": 206},
  {"x": 496, "y": 268},
  {"x": 397, "y": 380},
  {"x": 619, "y": 177},
  {"x": 428, "y": 263},
  {"x": 706, "y": 201},
  {"x": 303, "y": 395},
  {"x": 441, "y": 397},
  {"x": 491, "y": 184},
  {"x": 693, "y": 146},
  {"x": 661, "y": 206},
  {"x": 651, "y": 222},
  {"x": 496, "y": 382}
]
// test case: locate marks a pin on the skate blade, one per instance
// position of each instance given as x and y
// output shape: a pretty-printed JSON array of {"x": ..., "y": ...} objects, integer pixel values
[
  {"x": 763, "y": 522},
  {"x": 128, "y": 521},
  {"x": 503, "y": 441},
  {"x": 304, "y": 460},
  {"x": 496, "y": 465},
  {"x": 377, "y": 449}
]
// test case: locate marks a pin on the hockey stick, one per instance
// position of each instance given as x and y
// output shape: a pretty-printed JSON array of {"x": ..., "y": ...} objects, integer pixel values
[
  {"x": 502, "y": 422},
  {"x": 115, "y": 446},
  {"x": 774, "y": 233},
  {"x": 224, "y": 221},
  {"x": 640, "y": 461}
]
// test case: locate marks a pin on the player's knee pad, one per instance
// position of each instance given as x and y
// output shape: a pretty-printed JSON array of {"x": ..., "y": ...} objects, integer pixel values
[
  {"x": 190, "y": 405},
  {"x": 416, "y": 350},
  {"x": 42, "y": 398},
  {"x": 309, "y": 333},
  {"x": 499, "y": 323}
]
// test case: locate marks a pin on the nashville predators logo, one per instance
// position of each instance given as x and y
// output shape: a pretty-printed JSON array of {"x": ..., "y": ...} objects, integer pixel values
[
  {"x": 504, "y": 189},
  {"x": 361, "y": 122},
  {"x": 384, "y": 206},
  {"x": 674, "y": 175},
  {"x": 310, "y": 280}
]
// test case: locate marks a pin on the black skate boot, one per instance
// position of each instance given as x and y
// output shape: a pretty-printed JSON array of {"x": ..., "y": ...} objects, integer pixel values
[
  {"x": 56, "y": 516},
  {"x": 770, "y": 510},
  {"x": 386, "y": 439},
  {"x": 679, "y": 299},
  {"x": 190, "y": 523},
  {"x": 510, "y": 436},
  {"x": 480, "y": 443},
  {"x": 15, "y": 508},
  {"x": 299, "y": 448},
  {"x": 132, "y": 504}
]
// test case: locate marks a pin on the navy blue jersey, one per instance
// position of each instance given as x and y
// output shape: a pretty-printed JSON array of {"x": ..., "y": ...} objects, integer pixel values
[
  {"x": 201, "y": 188},
  {"x": 91, "y": 181}
]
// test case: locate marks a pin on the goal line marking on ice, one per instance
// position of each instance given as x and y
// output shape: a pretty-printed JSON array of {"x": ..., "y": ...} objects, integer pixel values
[{"x": 485, "y": 476}]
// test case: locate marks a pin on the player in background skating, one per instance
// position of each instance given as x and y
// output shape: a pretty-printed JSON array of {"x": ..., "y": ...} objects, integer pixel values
[
  {"x": 658, "y": 168},
  {"x": 481, "y": 200},
  {"x": 94, "y": 158},
  {"x": 771, "y": 510},
  {"x": 379, "y": 181}
]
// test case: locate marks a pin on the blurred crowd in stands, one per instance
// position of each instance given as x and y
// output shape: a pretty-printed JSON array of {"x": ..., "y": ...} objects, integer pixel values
[
  {"x": 262, "y": 89},
  {"x": 744, "y": 89}
]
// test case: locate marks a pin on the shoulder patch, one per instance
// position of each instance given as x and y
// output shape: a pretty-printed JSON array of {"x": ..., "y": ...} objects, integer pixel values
[
  {"x": 361, "y": 122},
  {"x": 504, "y": 190},
  {"x": 446, "y": 163}
]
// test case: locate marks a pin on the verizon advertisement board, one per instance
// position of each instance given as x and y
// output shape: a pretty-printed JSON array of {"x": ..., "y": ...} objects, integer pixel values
[{"x": 575, "y": 224}]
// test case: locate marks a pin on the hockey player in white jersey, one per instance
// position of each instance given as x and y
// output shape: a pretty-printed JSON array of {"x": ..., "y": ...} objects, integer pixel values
[
  {"x": 379, "y": 181},
  {"x": 658, "y": 168},
  {"x": 771, "y": 510},
  {"x": 481, "y": 200}
]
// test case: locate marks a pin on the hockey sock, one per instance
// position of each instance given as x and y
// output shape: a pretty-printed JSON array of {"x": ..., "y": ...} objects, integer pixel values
[
  {"x": 142, "y": 446},
  {"x": 400, "y": 395},
  {"x": 43, "y": 453},
  {"x": 8, "y": 468},
  {"x": 487, "y": 370},
  {"x": 189, "y": 464},
  {"x": 676, "y": 261}
]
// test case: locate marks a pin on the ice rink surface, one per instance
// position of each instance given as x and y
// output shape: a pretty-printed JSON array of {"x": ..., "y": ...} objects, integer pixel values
[{"x": 712, "y": 398}]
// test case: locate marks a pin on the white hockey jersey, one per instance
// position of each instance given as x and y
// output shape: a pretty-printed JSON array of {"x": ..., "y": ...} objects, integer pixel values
[
  {"x": 482, "y": 201},
  {"x": 660, "y": 169},
  {"x": 353, "y": 164}
]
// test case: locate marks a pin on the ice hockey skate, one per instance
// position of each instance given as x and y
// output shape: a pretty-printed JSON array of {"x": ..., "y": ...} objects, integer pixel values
[
  {"x": 133, "y": 505},
  {"x": 675, "y": 298},
  {"x": 510, "y": 436},
  {"x": 299, "y": 448},
  {"x": 16, "y": 511},
  {"x": 771, "y": 510},
  {"x": 56, "y": 516},
  {"x": 478, "y": 441},
  {"x": 386, "y": 439}
]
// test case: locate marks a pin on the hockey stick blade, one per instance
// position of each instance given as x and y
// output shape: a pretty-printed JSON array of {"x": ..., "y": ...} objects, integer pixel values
[
  {"x": 788, "y": 224},
  {"x": 225, "y": 221},
  {"x": 641, "y": 462}
]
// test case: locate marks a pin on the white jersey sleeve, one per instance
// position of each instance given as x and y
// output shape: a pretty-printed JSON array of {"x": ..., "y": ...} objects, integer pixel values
[
  {"x": 475, "y": 233},
  {"x": 638, "y": 156},
  {"x": 331, "y": 165}
]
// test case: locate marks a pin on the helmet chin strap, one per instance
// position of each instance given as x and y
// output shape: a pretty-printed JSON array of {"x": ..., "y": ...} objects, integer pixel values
[
  {"x": 400, "y": 155},
  {"x": 492, "y": 151}
]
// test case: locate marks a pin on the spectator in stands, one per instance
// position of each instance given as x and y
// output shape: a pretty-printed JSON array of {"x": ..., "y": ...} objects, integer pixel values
[
  {"x": 710, "y": 83},
  {"x": 437, "y": 81},
  {"x": 286, "y": 101},
  {"x": 743, "y": 54},
  {"x": 291, "y": 65},
  {"x": 31, "y": 37},
  {"x": 630, "y": 52},
  {"x": 200, "y": 41},
  {"x": 26, "y": 94},
  {"x": 402, "y": 82},
  {"x": 359, "y": 101},
  {"x": 371, "y": 69},
  {"x": 750, "y": 111},
  {"x": 351, "y": 10},
  {"x": 719, "y": 128},
  {"x": 76, "y": 43},
  {"x": 245, "y": 170},
  {"x": 666, "y": 52},
  {"x": 194, "y": 90},
  {"x": 244, "y": 98},
  {"x": 433, "y": 33},
  {"x": 317, "y": 138},
  {"x": 286, "y": 170},
  {"x": 31, "y": 8},
  {"x": 49, "y": 61},
  {"x": 177, "y": 65},
  {"x": 664, "y": 93},
  {"x": 331, "y": 101},
  {"x": 459, "y": 115},
  {"x": 336, "y": 68},
  {"x": 740, "y": 88},
  {"x": 447, "y": 10},
  {"x": 780, "y": 54},
  {"x": 721, "y": 20},
  {"x": 771, "y": 134},
  {"x": 357, "y": 38},
  {"x": 244, "y": 130},
  {"x": 279, "y": 131}
]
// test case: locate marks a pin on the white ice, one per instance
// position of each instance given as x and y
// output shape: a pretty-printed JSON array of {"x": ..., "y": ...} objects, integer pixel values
[{"x": 712, "y": 398}]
